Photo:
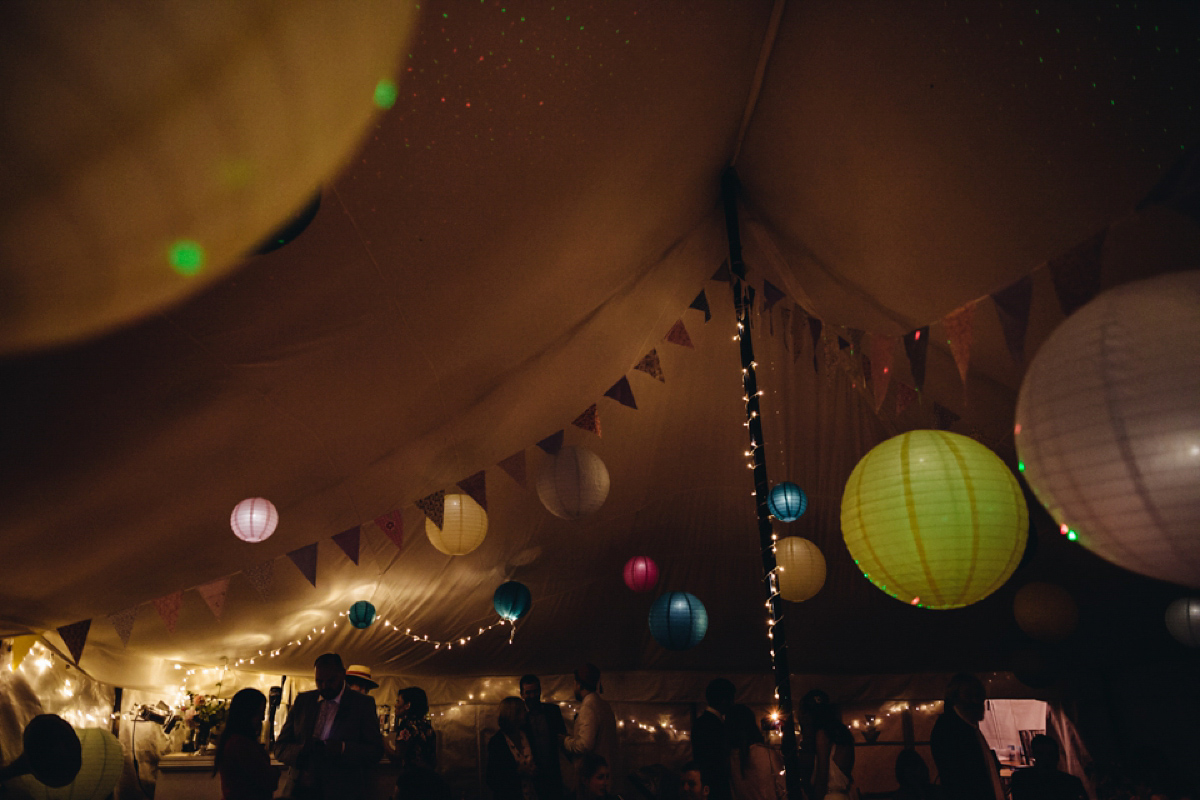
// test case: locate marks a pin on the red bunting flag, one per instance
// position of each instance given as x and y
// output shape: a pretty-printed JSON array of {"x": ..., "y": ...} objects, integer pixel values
[
  {"x": 261, "y": 577},
  {"x": 651, "y": 366},
  {"x": 552, "y": 443},
  {"x": 701, "y": 304},
  {"x": 213, "y": 593},
  {"x": 960, "y": 334},
  {"x": 880, "y": 350},
  {"x": 475, "y": 487},
  {"x": 679, "y": 335},
  {"x": 916, "y": 345},
  {"x": 348, "y": 540},
  {"x": 622, "y": 392},
  {"x": 392, "y": 524},
  {"x": 1076, "y": 274},
  {"x": 123, "y": 621},
  {"x": 74, "y": 636},
  {"x": 514, "y": 465},
  {"x": 305, "y": 559},
  {"x": 1012, "y": 308},
  {"x": 168, "y": 608},
  {"x": 434, "y": 506},
  {"x": 905, "y": 395},
  {"x": 589, "y": 420}
]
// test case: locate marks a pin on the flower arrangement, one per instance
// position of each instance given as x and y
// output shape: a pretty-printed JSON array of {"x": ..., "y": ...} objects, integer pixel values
[{"x": 203, "y": 712}]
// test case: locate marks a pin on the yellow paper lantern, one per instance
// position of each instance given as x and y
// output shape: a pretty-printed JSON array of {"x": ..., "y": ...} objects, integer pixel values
[
  {"x": 101, "y": 766},
  {"x": 573, "y": 483},
  {"x": 934, "y": 519},
  {"x": 1045, "y": 611},
  {"x": 801, "y": 568},
  {"x": 464, "y": 526}
]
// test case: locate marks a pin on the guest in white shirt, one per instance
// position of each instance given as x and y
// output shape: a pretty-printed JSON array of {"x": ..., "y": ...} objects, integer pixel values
[{"x": 595, "y": 725}]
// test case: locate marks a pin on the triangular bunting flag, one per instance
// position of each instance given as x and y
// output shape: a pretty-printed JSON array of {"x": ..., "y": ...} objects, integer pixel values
[
  {"x": 74, "y": 636},
  {"x": 21, "y": 645},
  {"x": 552, "y": 443},
  {"x": 679, "y": 335},
  {"x": 475, "y": 487},
  {"x": 814, "y": 330},
  {"x": 392, "y": 524},
  {"x": 434, "y": 506},
  {"x": 905, "y": 395},
  {"x": 514, "y": 465},
  {"x": 943, "y": 417},
  {"x": 772, "y": 294},
  {"x": 916, "y": 344},
  {"x": 622, "y": 393},
  {"x": 589, "y": 420},
  {"x": 785, "y": 324},
  {"x": 843, "y": 342},
  {"x": 168, "y": 608},
  {"x": 880, "y": 350},
  {"x": 1012, "y": 307},
  {"x": 1076, "y": 275},
  {"x": 651, "y": 366},
  {"x": 213, "y": 593},
  {"x": 348, "y": 540},
  {"x": 960, "y": 334},
  {"x": 701, "y": 304},
  {"x": 1179, "y": 187},
  {"x": 261, "y": 577},
  {"x": 123, "y": 621},
  {"x": 722, "y": 273},
  {"x": 305, "y": 560}
]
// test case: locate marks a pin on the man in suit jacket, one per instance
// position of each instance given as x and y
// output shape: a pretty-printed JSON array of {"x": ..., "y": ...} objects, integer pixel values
[
  {"x": 967, "y": 767},
  {"x": 710, "y": 748},
  {"x": 330, "y": 739},
  {"x": 543, "y": 725}
]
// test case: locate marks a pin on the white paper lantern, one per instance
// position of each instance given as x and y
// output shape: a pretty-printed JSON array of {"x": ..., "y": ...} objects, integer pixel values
[
  {"x": 1108, "y": 426},
  {"x": 1183, "y": 620},
  {"x": 573, "y": 483},
  {"x": 102, "y": 763},
  {"x": 464, "y": 526},
  {"x": 802, "y": 568},
  {"x": 254, "y": 519}
]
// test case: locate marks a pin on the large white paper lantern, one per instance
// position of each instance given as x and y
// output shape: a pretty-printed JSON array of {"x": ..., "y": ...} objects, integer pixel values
[
  {"x": 801, "y": 568},
  {"x": 149, "y": 146},
  {"x": 464, "y": 526},
  {"x": 102, "y": 762},
  {"x": 573, "y": 483},
  {"x": 934, "y": 519},
  {"x": 1108, "y": 426},
  {"x": 1183, "y": 620},
  {"x": 254, "y": 519}
]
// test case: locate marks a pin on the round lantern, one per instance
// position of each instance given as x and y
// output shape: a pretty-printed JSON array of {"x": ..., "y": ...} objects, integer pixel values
[
  {"x": 1045, "y": 611},
  {"x": 1183, "y": 620},
  {"x": 678, "y": 620},
  {"x": 641, "y": 573},
  {"x": 103, "y": 759},
  {"x": 512, "y": 600},
  {"x": 787, "y": 502},
  {"x": 147, "y": 176},
  {"x": 464, "y": 526},
  {"x": 361, "y": 614},
  {"x": 934, "y": 519},
  {"x": 1108, "y": 426},
  {"x": 254, "y": 519},
  {"x": 801, "y": 568},
  {"x": 573, "y": 483}
]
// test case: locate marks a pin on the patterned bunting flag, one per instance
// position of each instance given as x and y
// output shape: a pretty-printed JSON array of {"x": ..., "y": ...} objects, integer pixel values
[
  {"x": 1012, "y": 307},
  {"x": 123, "y": 621},
  {"x": 679, "y": 335},
  {"x": 475, "y": 487},
  {"x": 514, "y": 465},
  {"x": 722, "y": 273},
  {"x": 701, "y": 304},
  {"x": 74, "y": 636},
  {"x": 916, "y": 345},
  {"x": 552, "y": 443},
  {"x": 168, "y": 608},
  {"x": 261, "y": 577},
  {"x": 392, "y": 524},
  {"x": 880, "y": 350},
  {"x": 814, "y": 331},
  {"x": 651, "y": 366},
  {"x": 622, "y": 392},
  {"x": 943, "y": 417},
  {"x": 960, "y": 333},
  {"x": 905, "y": 395},
  {"x": 1076, "y": 274},
  {"x": 348, "y": 540},
  {"x": 434, "y": 506},
  {"x": 589, "y": 420},
  {"x": 305, "y": 559},
  {"x": 213, "y": 593},
  {"x": 772, "y": 294}
]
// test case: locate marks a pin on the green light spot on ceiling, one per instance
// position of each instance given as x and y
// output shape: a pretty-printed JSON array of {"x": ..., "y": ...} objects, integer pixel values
[
  {"x": 386, "y": 93},
  {"x": 186, "y": 257},
  {"x": 1020, "y": 466}
]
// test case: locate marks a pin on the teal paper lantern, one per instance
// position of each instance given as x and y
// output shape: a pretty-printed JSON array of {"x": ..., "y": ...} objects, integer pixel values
[
  {"x": 512, "y": 600},
  {"x": 678, "y": 620},
  {"x": 787, "y": 502},
  {"x": 362, "y": 614}
]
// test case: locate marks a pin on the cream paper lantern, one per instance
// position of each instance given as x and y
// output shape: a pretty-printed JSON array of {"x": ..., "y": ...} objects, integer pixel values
[
  {"x": 934, "y": 519},
  {"x": 1108, "y": 427},
  {"x": 148, "y": 147},
  {"x": 801, "y": 568},
  {"x": 1045, "y": 611},
  {"x": 254, "y": 519},
  {"x": 464, "y": 526},
  {"x": 1183, "y": 620},
  {"x": 103, "y": 760},
  {"x": 573, "y": 483}
]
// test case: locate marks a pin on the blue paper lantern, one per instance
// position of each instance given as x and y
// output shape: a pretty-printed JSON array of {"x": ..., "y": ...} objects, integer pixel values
[
  {"x": 362, "y": 614},
  {"x": 678, "y": 620},
  {"x": 787, "y": 502},
  {"x": 512, "y": 600}
]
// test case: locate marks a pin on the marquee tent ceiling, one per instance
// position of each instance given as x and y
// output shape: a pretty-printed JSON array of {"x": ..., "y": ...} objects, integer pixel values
[{"x": 530, "y": 219}]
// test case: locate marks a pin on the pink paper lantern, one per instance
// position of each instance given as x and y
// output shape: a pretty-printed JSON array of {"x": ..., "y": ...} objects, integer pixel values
[
  {"x": 641, "y": 573},
  {"x": 254, "y": 519}
]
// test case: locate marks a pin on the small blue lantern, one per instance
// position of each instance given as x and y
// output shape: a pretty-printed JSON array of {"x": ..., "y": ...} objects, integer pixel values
[
  {"x": 362, "y": 614},
  {"x": 787, "y": 502},
  {"x": 512, "y": 600},
  {"x": 678, "y": 620}
]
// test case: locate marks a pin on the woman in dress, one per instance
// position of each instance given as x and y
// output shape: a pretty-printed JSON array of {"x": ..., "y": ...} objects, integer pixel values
[
  {"x": 510, "y": 767},
  {"x": 755, "y": 769},
  {"x": 415, "y": 748},
  {"x": 833, "y": 747},
  {"x": 242, "y": 762}
]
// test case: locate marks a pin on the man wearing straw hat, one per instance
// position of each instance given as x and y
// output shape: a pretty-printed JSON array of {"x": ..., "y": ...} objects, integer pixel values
[{"x": 359, "y": 679}]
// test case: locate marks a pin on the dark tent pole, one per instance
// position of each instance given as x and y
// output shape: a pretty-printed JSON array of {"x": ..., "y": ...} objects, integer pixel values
[{"x": 743, "y": 303}]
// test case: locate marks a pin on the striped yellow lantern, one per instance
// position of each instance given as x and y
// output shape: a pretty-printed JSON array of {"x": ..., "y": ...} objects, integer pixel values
[
  {"x": 934, "y": 519},
  {"x": 464, "y": 526},
  {"x": 801, "y": 568}
]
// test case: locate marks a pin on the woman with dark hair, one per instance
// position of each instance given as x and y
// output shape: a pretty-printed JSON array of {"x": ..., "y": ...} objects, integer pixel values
[
  {"x": 833, "y": 746},
  {"x": 510, "y": 767},
  {"x": 243, "y": 764},
  {"x": 595, "y": 778},
  {"x": 416, "y": 745},
  {"x": 755, "y": 769}
]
